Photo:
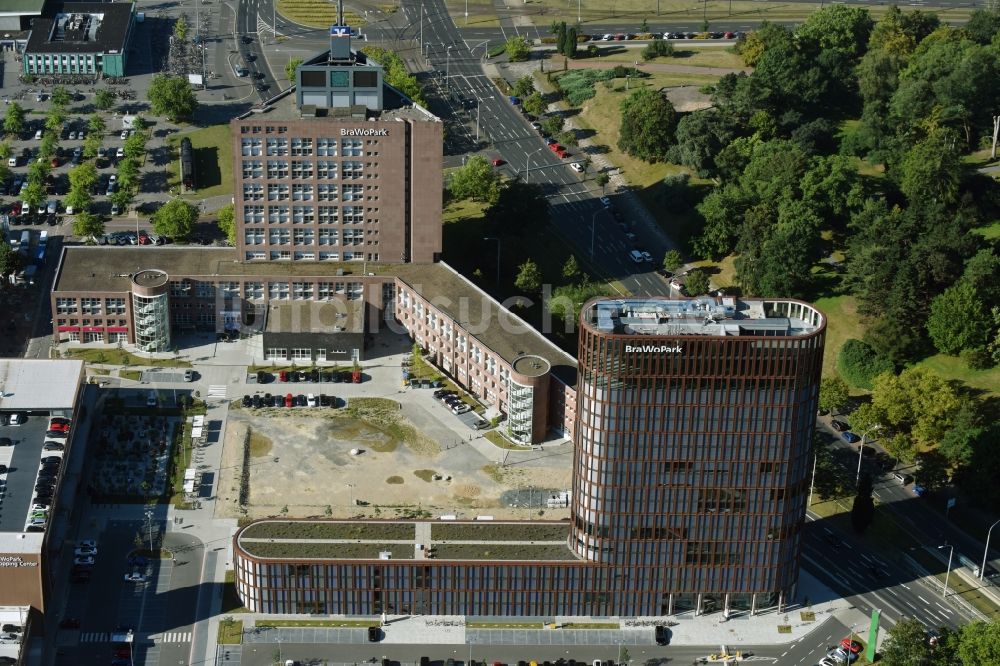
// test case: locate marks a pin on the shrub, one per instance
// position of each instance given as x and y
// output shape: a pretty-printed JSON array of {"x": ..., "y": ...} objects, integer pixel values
[
  {"x": 860, "y": 364},
  {"x": 657, "y": 48}
]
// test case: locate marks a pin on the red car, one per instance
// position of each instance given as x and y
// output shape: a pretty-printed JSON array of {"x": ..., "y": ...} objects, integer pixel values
[
  {"x": 289, "y": 400},
  {"x": 555, "y": 147},
  {"x": 562, "y": 154},
  {"x": 144, "y": 239},
  {"x": 498, "y": 162},
  {"x": 59, "y": 427},
  {"x": 123, "y": 650},
  {"x": 283, "y": 376},
  {"x": 853, "y": 646}
]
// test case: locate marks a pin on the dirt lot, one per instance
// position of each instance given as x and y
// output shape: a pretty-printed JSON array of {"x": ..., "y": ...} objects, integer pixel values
[{"x": 301, "y": 465}]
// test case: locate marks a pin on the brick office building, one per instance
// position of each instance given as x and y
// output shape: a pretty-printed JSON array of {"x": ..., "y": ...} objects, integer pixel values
[{"x": 690, "y": 476}]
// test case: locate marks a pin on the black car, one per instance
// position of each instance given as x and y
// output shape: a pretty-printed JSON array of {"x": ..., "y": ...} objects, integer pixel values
[
  {"x": 293, "y": 376},
  {"x": 336, "y": 378},
  {"x": 247, "y": 39},
  {"x": 300, "y": 401},
  {"x": 6, "y": 441},
  {"x": 247, "y": 401},
  {"x": 262, "y": 87},
  {"x": 48, "y": 459},
  {"x": 3, "y": 469},
  {"x": 839, "y": 426},
  {"x": 264, "y": 377},
  {"x": 324, "y": 400},
  {"x": 55, "y": 434},
  {"x": 662, "y": 635},
  {"x": 260, "y": 76},
  {"x": 373, "y": 634},
  {"x": 278, "y": 401},
  {"x": 43, "y": 487},
  {"x": 249, "y": 57},
  {"x": 303, "y": 376},
  {"x": 346, "y": 376},
  {"x": 258, "y": 402},
  {"x": 42, "y": 501},
  {"x": 314, "y": 375}
]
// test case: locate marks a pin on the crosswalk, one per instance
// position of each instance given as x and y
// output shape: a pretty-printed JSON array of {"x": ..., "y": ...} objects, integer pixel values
[
  {"x": 217, "y": 391},
  {"x": 165, "y": 637}
]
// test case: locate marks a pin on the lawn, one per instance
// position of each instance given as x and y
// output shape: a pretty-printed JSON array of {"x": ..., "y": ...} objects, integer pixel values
[
  {"x": 990, "y": 231},
  {"x": 842, "y": 322},
  {"x": 496, "y": 439},
  {"x": 213, "y": 161},
  {"x": 122, "y": 357},
  {"x": 231, "y": 602},
  {"x": 481, "y": 13},
  {"x": 691, "y": 56},
  {"x": 500, "y": 532},
  {"x": 320, "y": 550},
  {"x": 494, "y": 551},
  {"x": 316, "y": 623},
  {"x": 317, "y": 13},
  {"x": 230, "y": 632},
  {"x": 951, "y": 367}
]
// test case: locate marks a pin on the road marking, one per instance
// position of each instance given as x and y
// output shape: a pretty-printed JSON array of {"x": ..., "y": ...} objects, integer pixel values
[
  {"x": 217, "y": 391},
  {"x": 923, "y": 600},
  {"x": 945, "y": 609},
  {"x": 94, "y": 637}
]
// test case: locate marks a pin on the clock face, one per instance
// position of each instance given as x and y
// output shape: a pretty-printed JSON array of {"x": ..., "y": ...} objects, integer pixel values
[{"x": 339, "y": 79}]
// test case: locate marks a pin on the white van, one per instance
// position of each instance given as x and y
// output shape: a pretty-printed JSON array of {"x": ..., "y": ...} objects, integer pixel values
[
  {"x": 239, "y": 70},
  {"x": 38, "y": 135}
]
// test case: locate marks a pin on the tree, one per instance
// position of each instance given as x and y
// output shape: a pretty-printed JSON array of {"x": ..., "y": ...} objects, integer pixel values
[
  {"x": 227, "y": 222},
  {"x": 135, "y": 146},
  {"x": 78, "y": 199},
  {"x": 571, "y": 269},
  {"x": 932, "y": 470},
  {"x": 839, "y": 27},
  {"x": 5, "y": 150},
  {"x": 534, "y": 104},
  {"x": 91, "y": 145},
  {"x": 175, "y": 219},
  {"x": 10, "y": 261},
  {"x": 104, "y": 99},
  {"x": 476, "y": 180},
  {"x": 87, "y": 225},
  {"x": 833, "y": 480},
  {"x": 768, "y": 35},
  {"x": 96, "y": 124},
  {"x": 524, "y": 86},
  {"x": 570, "y": 43},
  {"x": 13, "y": 122},
  {"x": 180, "y": 29},
  {"x": 700, "y": 136},
  {"x": 602, "y": 179},
  {"x": 172, "y": 96},
  {"x": 566, "y": 138},
  {"x": 54, "y": 120},
  {"x": 396, "y": 74},
  {"x": 863, "y": 508},
  {"x": 697, "y": 282},
  {"x": 123, "y": 197},
  {"x": 648, "y": 122},
  {"x": 980, "y": 643},
  {"x": 931, "y": 170},
  {"x": 567, "y": 300},
  {"x": 658, "y": 48},
  {"x": 83, "y": 177},
  {"x": 959, "y": 320},
  {"x": 983, "y": 25},
  {"x": 290, "y": 68},
  {"x": 672, "y": 261},
  {"x": 517, "y": 49},
  {"x": 34, "y": 194},
  {"x": 48, "y": 146},
  {"x": 552, "y": 125},
  {"x": 128, "y": 174},
  {"x": 907, "y": 645},
  {"x": 833, "y": 394},
  {"x": 859, "y": 363},
  {"x": 60, "y": 97},
  {"x": 529, "y": 278}
]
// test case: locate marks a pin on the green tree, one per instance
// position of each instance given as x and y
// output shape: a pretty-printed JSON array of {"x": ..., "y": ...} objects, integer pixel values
[
  {"x": 396, "y": 74},
  {"x": 87, "y": 225},
  {"x": 839, "y": 27},
  {"x": 833, "y": 480},
  {"x": 78, "y": 199},
  {"x": 931, "y": 170},
  {"x": 863, "y": 507},
  {"x": 91, "y": 145},
  {"x": 34, "y": 194},
  {"x": 48, "y": 146},
  {"x": 180, "y": 29},
  {"x": 227, "y": 222},
  {"x": 534, "y": 104},
  {"x": 13, "y": 122},
  {"x": 290, "y": 68},
  {"x": 96, "y": 124},
  {"x": 552, "y": 125},
  {"x": 123, "y": 197},
  {"x": 104, "y": 99},
  {"x": 476, "y": 180},
  {"x": 10, "y": 262},
  {"x": 172, "y": 96},
  {"x": 859, "y": 363},
  {"x": 980, "y": 643},
  {"x": 672, "y": 261},
  {"x": 700, "y": 136},
  {"x": 5, "y": 150},
  {"x": 648, "y": 122},
  {"x": 175, "y": 219},
  {"x": 83, "y": 177},
  {"x": 697, "y": 282},
  {"x": 571, "y": 269},
  {"x": 128, "y": 174},
  {"x": 833, "y": 394},
  {"x": 907, "y": 645},
  {"x": 602, "y": 179},
  {"x": 529, "y": 278},
  {"x": 658, "y": 48},
  {"x": 524, "y": 86},
  {"x": 61, "y": 97},
  {"x": 566, "y": 137},
  {"x": 135, "y": 146},
  {"x": 983, "y": 26},
  {"x": 566, "y": 301},
  {"x": 570, "y": 43},
  {"x": 959, "y": 320},
  {"x": 932, "y": 470},
  {"x": 54, "y": 120},
  {"x": 517, "y": 49},
  {"x": 767, "y": 36}
]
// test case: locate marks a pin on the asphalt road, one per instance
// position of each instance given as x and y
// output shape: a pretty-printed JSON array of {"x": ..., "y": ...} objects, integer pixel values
[{"x": 250, "y": 48}]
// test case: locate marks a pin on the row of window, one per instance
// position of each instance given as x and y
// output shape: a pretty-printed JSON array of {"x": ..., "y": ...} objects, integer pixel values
[
  {"x": 288, "y": 255},
  {"x": 255, "y": 214},
  {"x": 90, "y": 306},
  {"x": 303, "y": 147},
  {"x": 305, "y": 169},
  {"x": 304, "y": 192},
  {"x": 308, "y": 237},
  {"x": 91, "y": 322}
]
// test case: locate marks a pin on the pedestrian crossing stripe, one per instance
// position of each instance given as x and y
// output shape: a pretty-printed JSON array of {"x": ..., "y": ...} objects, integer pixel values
[
  {"x": 217, "y": 390},
  {"x": 95, "y": 637},
  {"x": 173, "y": 637}
]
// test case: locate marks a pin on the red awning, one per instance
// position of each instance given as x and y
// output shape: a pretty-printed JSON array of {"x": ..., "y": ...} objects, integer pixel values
[
  {"x": 93, "y": 329},
  {"x": 117, "y": 329},
  {"x": 69, "y": 329}
]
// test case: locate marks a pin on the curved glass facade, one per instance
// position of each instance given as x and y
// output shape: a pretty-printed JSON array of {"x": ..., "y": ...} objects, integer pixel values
[
  {"x": 521, "y": 407},
  {"x": 151, "y": 309}
]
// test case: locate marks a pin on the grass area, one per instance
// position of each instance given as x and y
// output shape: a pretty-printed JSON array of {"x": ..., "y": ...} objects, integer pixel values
[
  {"x": 99, "y": 371},
  {"x": 424, "y": 474},
  {"x": 842, "y": 322},
  {"x": 316, "y": 623},
  {"x": 329, "y": 530},
  {"x": 213, "y": 161},
  {"x": 351, "y": 551},
  {"x": 134, "y": 375},
  {"x": 395, "y": 481},
  {"x": 481, "y": 14},
  {"x": 506, "y": 625},
  {"x": 590, "y": 625},
  {"x": 180, "y": 458},
  {"x": 990, "y": 231},
  {"x": 956, "y": 584},
  {"x": 494, "y": 551},
  {"x": 384, "y": 415},
  {"x": 231, "y": 602},
  {"x": 122, "y": 357},
  {"x": 230, "y": 632},
  {"x": 951, "y": 367},
  {"x": 500, "y": 532},
  {"x": 317, "y": 13},
  {"x": 498, "y": 440},
  {"x": 260, "y": 445},
  {"x": 701, "y": 56}
]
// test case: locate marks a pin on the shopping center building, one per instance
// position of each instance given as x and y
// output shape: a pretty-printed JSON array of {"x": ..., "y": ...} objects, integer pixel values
[{"x": 690, "y": 476}]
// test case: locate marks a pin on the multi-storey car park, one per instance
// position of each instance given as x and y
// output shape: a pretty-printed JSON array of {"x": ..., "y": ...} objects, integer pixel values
[{"x": 693, "y": 429}]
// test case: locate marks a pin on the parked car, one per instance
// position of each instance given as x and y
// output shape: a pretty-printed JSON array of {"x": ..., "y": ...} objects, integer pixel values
[
  {"x": 577, "y": 167},
  {"x": 839, "y": 426},
  {"x": 373, "y": 634},
  {"x": 850, "y": 437}
]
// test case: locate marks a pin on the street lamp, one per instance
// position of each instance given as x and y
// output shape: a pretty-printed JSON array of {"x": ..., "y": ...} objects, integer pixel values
[
  {"x": 982, "y": 569},
  {"x": 593, "y": 231},
  {"x": 527, "y": 163},
  {"x": 478, "y": 102},
  {"x": 498, "y": 255},
  {"x": 861, "y": 450},
  {"x": 350, "y": 494},
  {"x": 149, "y": 521},
  {"x": 951, "y": 551}
]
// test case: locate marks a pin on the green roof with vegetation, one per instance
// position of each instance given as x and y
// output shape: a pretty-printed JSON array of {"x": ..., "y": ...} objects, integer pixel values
[
  {"x": 368, "y": 531},
  {"x": 325, "y": 550},
  {"x": 500, "y": 532},
  {"x": 496, "y": 551}
]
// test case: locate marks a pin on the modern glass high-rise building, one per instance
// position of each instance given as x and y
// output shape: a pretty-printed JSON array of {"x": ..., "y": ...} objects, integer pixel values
[
  {"x": 690, "y": 478},
  {"x": 695, "y": 420}
]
